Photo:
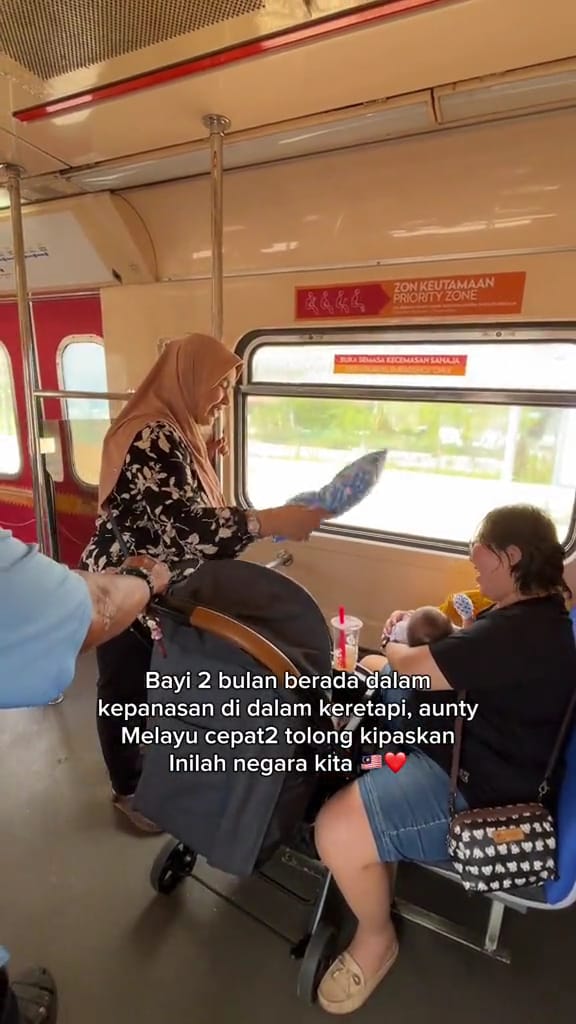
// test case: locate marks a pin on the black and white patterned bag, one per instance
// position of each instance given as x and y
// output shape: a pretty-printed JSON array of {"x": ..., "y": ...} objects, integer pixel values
[{"x": 498, "y": 849}]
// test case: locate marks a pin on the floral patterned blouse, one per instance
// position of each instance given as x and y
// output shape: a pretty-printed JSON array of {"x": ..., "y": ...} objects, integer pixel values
[{"x": 161, "y": 510}]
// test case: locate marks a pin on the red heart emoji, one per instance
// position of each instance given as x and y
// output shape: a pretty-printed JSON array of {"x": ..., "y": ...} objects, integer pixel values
[{"x": 395, "y": 761}]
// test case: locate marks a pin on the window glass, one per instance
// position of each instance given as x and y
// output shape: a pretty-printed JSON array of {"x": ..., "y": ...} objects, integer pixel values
[
  {"x": 435, "y": 364},
  {"x": 449, "y": 462},
  {"x": 83, "y": 368},
  {"x": 10, "y": 453}
]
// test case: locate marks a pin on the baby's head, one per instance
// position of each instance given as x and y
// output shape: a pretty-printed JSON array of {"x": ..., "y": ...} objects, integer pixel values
[{"x": 426, "y": 625}]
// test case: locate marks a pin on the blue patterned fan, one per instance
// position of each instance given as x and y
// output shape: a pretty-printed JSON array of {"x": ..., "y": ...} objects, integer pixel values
[{"x": 348, "y": 488}]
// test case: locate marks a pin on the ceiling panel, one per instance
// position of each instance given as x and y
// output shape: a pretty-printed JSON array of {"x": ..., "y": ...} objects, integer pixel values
[
  {"x": 70, "y": 45},
  {"x": 33, "y": 161},
  {"x": 305, "y": 80},
  {"x": 49, "y": 38},
  {"x": 392, "y": 203},
  {"x": 17, "y": 89}
]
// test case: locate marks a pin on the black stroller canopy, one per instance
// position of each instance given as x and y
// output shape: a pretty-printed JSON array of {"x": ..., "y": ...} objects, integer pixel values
[{"x": 275, "y": 606}]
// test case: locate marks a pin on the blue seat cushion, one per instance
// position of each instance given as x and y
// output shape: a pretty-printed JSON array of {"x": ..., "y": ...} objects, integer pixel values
[{"x": 557, "y": 892}]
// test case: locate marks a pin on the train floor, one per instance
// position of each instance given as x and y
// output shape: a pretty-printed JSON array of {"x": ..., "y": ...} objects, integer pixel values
[{"x": 75, "y": 896}]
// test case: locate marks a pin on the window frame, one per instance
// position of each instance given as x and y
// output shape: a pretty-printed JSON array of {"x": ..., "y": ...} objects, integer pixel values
[
  {"x": 451, "y": 334},
  {"x": 18, "y": 434},
  {"x": 73, "y": 339}
]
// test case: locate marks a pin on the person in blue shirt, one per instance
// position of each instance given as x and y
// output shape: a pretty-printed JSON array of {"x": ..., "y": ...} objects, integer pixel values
[{"x": 48, "y": 616}]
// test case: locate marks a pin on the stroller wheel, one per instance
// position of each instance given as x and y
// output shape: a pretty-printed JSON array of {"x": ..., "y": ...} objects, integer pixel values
[
  {"x": 172, "y": 864},
  {"x": 318, "y": 956}
]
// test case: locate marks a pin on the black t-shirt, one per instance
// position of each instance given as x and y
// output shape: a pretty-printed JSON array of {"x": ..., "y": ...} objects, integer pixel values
[{"x": 518, "y": 664}]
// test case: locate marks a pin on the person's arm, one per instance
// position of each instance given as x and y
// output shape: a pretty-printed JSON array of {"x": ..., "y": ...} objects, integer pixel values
[
  {"x": 416, "y": 661},
  {"x": 48, "y": 614},
  {"x": 117, "y": 601}
]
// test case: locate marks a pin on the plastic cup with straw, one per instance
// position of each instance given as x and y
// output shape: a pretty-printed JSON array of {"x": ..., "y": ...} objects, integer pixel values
[{"x": 346, "y": 633}]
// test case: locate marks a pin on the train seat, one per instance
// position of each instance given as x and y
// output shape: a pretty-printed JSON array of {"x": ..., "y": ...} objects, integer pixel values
[{"x": 557, "y": 895}]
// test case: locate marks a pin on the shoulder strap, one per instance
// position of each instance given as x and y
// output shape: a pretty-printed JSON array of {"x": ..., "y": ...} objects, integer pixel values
[
  {"x": 112, "y": 520},
  {"x": 456, "y": 754},
  {"x": 545, "y": 787}
]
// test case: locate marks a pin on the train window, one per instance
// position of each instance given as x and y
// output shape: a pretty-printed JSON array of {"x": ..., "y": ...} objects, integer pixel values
[
  {"x": 10, "y": 451},
  {"x": 463, "y": 366},
  {"x": 469, "y": 424},
  {"x": 83, "y": 368}
]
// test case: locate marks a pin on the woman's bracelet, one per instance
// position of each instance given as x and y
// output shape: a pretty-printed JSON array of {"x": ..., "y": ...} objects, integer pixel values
[{"x": 143, "y": 574}]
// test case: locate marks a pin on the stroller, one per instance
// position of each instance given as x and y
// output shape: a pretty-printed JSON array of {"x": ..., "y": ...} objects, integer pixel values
[{"x": 231, "y": 769}]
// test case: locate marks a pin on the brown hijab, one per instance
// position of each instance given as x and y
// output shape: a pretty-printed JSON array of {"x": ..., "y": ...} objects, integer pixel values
[{"x": 179, "y": 390}]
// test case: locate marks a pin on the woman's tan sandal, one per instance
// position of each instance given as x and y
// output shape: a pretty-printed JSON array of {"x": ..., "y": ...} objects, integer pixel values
[{"x": 344, "y": 988}]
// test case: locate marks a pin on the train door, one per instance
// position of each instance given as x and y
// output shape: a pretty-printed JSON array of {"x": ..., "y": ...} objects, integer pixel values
[
  {"x": 71, "y": 357},
  {"x": 16, "y": 509}
]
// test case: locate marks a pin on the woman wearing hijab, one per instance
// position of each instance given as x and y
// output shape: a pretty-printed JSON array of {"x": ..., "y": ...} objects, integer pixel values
[{"x": 159, "y": 485}]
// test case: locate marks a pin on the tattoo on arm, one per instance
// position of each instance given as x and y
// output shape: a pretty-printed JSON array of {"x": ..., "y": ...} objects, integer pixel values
[
  {"x": 116, "y": 602},
  {"x": 105, "y": 609}
]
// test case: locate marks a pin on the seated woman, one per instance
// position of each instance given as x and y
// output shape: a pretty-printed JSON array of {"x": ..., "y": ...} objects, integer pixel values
[
  {"x": 158, "y": 482},
  {"x": 517, "y": 661}
]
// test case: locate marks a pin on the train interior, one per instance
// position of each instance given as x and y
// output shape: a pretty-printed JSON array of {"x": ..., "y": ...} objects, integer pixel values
[{"x": 374, "y": 205}]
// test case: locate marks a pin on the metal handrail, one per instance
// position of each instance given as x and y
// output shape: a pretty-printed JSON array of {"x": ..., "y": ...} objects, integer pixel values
[
  {"x": 11, "y": 177},
  {"x": 217, "y": 126},
  {"x": 115, "y": 396}
]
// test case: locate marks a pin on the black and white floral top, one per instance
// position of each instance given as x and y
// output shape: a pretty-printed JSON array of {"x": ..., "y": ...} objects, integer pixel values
[{"x": 161, "y": 510}]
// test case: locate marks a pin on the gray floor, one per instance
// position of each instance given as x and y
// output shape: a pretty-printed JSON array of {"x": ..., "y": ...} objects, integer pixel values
[{"x": 75, "y": 896}]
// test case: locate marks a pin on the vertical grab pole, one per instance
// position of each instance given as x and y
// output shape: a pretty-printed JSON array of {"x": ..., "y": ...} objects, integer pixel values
[
  {"x": 11, "y": 178},
  {"x": 217, "y": 125}
]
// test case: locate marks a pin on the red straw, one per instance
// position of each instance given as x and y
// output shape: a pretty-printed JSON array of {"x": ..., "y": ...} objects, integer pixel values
[{"x": 342, "y": 637}]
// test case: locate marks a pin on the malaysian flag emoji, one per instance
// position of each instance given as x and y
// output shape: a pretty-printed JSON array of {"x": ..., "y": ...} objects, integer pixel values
[{"x": 371, "y": 761}]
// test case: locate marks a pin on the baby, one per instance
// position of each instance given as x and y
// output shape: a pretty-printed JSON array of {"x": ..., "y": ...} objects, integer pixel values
[{"x": 423, "y": 626}]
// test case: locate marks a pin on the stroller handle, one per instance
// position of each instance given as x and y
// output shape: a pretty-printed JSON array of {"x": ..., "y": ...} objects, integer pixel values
[
  {"x": 224, "y": 626},
  {"x": 283, "y": 558}
]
